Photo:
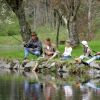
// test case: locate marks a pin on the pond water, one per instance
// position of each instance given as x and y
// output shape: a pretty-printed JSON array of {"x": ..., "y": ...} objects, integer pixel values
[{"x": 20, "y": 85}]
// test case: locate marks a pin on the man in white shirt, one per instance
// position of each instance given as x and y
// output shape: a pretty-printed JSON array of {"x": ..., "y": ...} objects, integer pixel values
[{"x": 67, "y": 52}]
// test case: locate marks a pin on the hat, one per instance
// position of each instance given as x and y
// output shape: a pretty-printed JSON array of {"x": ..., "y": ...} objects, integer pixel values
[{"x": 84, "y": 43}]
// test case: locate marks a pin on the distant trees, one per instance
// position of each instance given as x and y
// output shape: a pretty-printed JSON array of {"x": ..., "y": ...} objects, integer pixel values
[
  {"x": 68, "y": 9},
  {"x": 90, "y": 6},
  {"x": 77, "y": 16},
  {"x": 18, "y": 8}
]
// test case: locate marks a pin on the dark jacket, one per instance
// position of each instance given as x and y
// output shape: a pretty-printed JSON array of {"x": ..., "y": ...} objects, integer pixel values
[{"x": 35, "y": 44}]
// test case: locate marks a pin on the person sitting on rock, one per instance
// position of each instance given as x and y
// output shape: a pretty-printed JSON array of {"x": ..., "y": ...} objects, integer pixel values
[
  {"x": 67, "y": 52},
  {"x": 34, "y": 46},
  {"x": 87, "y": 51},
  {"x": 88, "y": 62},
  {"x": 49, "y": 50},
  {"x": 95, "y": 57}
]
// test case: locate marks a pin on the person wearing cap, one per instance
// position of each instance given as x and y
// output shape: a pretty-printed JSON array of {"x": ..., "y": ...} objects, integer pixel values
[
  {"x": 87, "y": 51},
  {"x": 34, "y": 46},
  {"x": 67, "y": 51}
]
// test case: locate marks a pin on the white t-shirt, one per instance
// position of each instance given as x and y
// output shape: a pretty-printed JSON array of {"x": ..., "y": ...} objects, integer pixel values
[{"x": 67, "y": 51}]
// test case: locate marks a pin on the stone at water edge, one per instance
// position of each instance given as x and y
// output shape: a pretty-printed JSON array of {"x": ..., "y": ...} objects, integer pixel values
[
  {"x": 95, "y": 65},
  {"x": 52, "y": 65},
  {"x": 4, "y": 64},
  {"x": 30, "y": 64},
  {"x": 94, "y": 71},
  {"x": 4, "y": 71},
  {"x": 17, "y": 64},
  {"x": 8, "y": 65},
  {"x": 24, "y": 62}
]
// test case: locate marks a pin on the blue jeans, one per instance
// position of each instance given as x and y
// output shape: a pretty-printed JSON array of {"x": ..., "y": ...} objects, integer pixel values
[
  {"x": 65, "y": 57},
  {"x": 34, "y": 52},
  {"x": 93, "y": 58}
]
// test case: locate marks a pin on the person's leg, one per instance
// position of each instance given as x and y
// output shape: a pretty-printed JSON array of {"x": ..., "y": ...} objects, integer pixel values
[
  {"x": 91, "y": 60},
  {"x": 82, "y": 57},
  {"x": 37, "y": 53},
  {"x": 26, "y": 52},
  {"x": 98, "y": 57},
  {"x": 65, "y": 57}
]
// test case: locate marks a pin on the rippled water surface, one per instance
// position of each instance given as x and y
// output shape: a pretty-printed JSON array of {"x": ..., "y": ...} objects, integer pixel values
[{"x": 19, "y": 85}]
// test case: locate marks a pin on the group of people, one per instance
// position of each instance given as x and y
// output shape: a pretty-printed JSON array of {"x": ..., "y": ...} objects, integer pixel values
[{"x": 47, "y": 50}]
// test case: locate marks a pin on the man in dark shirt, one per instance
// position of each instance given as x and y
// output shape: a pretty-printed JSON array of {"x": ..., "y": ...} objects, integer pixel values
[{"x": 34, "y": 46}]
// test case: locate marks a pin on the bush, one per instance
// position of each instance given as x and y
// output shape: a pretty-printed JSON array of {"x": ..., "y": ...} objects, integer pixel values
[
  {"x": 11, "y": 32},
  {"x": 9, "y": 29}
]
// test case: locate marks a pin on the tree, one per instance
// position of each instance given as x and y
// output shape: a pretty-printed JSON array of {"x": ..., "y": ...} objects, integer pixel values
[
  {"x": 90, "y": 3},
  {"x": 18, "y": 8},
  {"x": 68, "y": 9}
]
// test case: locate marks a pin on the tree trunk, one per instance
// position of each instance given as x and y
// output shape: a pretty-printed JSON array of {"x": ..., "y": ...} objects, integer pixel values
[
  {"x": 18, "y": 8},
  {"x": 73, "y": 35},
  {"x": 24, "y": 26},
  {"x": 90, "y": 19},
  {"x": 72, "y": 30},
  {"x": 58, "y": 28}
]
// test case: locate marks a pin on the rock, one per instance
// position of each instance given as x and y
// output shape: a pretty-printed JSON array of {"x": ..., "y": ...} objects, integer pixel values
[
  {"x": 94, "y": 65},
  {"x": 30, "y": 64},
  {"x": 94, "y": 72},
  {"x": 16, "y": 64},
  {"x": 8, "y": 66},
  {"x": 4, "y": 71},
  {"x": 24, "y": 62},
  {"x": 52, "y": 65}
]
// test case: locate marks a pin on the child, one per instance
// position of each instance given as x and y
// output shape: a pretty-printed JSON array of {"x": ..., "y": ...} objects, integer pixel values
[
  {"x": 49, "y": 50},
  {"x": 67, "y": 52}
]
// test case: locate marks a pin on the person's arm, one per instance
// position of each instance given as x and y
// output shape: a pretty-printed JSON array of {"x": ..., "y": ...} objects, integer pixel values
[
  {"x": 98, "y": 53},
  {"x": 28, "y": 44},
  {"x": 38, "y": 46},
  {"x": 47, "y": 52},
  {"x": 89, "y": 52}
]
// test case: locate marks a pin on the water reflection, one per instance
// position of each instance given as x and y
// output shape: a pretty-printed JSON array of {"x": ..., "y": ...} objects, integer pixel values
[
  {"x": 47, "y": 87},
  {"x": 33, "y": 91}
]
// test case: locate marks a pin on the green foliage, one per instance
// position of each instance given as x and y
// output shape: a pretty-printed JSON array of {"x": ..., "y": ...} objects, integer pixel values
[{"x": 9, "y": 29}]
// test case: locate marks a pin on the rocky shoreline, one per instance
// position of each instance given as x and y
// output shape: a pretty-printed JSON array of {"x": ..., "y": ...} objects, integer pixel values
[{"x": 43, "y": 65}]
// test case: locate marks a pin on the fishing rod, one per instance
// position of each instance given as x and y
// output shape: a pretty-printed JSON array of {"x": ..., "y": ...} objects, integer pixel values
[
  {"x": 25, "y": 44},
  {"x": 94, "y": 51},
  {"x": 16, "y": 39}
]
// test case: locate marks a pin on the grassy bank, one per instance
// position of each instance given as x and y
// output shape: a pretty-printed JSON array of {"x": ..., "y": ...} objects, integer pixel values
[{"x": 11, "y": 48}]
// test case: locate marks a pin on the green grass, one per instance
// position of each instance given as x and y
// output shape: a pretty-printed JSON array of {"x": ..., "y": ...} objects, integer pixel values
[
  {"x": 15, "y": 54},
  {"x": 10, "y": 40},
  {"x": 12, "y": 48},
  {"x": 18, "y": 53}
]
